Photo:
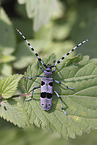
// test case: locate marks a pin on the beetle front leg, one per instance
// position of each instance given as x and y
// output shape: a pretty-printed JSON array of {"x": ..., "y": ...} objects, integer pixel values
[{"x": 63, "y": 84}]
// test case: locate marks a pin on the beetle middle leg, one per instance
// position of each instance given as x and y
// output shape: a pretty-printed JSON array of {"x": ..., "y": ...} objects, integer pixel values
[
  {"x": 32, "y": 93},
  {"x": 30, "y": 78}
]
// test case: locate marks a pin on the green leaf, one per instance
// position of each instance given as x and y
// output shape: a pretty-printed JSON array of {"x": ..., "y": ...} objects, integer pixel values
[
  {"x": 6, "y": 69},
  {"x": 7, "y": 58},
  {"x": 80, "y": 103},
  {"x": 21, "y": 1},
  {"x": 34, "y": 135},
  {"x": 44, "y": 12},
  {"x": 7, "y": 35},
  {"x": 10, "y": 135},
  {"x": 74, "y": 60},
  {"x": 41, "y": 11},
  {"x": 8, "y": 85},
  {"x": 85, "y": 27},
  {"x": 45, "y": 32}
]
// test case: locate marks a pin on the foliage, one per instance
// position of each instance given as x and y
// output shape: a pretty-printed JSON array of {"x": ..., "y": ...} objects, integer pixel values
[
  {"x": 34, "y": 135},
  {"x": 37, "y": 136},
  {"x": 40, "y": 10},
  {"x": 51, "y": 27},
  {"x": 8, "y": 85},
  {"x": 7, "y": 44},
  {"x": 80, "y": 103}
]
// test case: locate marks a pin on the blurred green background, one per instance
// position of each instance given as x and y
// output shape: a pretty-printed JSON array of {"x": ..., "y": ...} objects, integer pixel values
[{"x": 52, "y": 26}]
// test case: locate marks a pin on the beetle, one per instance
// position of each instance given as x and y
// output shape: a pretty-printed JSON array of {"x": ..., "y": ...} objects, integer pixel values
[{"x": 47, "y": 80}]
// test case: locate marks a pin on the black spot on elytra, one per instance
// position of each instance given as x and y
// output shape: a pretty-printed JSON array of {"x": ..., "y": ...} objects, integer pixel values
[
  {"x": 43, "y": 95},
  {"x": 49, "y": 95},
  {"x": 42, "y": 83},
  {"x": 51, "y": 84}
]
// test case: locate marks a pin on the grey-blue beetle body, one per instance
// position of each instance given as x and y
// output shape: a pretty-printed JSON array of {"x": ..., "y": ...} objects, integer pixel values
[
  {"x": 46, "y": 93},
  {"x": 46, "y": 89},
  {"x": 47, "y": 80}
]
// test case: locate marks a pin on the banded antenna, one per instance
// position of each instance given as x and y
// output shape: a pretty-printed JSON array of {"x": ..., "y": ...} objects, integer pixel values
[
  {"x": 71, "y": 51},
  {"x": 39, "y": 59}
]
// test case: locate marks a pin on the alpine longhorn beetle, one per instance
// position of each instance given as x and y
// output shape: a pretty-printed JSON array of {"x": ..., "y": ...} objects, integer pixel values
[{"x": 47, "y": 80}]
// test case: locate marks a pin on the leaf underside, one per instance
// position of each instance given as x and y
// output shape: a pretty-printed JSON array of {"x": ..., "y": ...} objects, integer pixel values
[{"x": 80, "y": 103}]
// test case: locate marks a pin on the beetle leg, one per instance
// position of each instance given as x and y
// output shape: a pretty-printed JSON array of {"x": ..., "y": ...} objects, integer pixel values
[
  {"x": 32, "y": 93},
  {"x": 61, "y": 102},
  {"x": 63, "y": 84}
]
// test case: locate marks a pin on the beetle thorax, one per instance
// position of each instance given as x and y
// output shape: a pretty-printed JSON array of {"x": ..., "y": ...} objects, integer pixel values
[{"x": 48, "y": 71}]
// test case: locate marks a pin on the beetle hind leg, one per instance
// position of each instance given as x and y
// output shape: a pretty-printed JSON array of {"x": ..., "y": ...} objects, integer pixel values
[{"x": 61, "y": 102}]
